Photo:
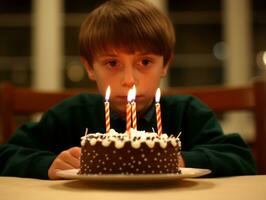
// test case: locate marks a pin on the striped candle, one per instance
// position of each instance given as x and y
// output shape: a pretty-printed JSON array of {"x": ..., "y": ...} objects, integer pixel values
[
  {"x": 158, "y": 111},
  {"x": 107, "y": 109},
  {"x": 134, "y": 109},
  {"x": 128, "y": 111}
]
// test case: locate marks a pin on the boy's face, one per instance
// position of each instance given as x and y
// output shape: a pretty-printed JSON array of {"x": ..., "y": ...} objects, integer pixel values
[{"x": 121, "y": 71}]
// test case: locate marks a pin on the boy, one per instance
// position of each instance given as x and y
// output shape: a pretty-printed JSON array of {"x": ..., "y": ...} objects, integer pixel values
[{"x": 124, "y": 43}]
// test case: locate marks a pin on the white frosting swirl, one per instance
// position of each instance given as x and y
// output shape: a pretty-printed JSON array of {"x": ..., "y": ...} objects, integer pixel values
[{"x": 136, "y": 138}]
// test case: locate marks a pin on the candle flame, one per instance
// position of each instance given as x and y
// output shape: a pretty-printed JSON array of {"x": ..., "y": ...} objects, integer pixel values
[
  {"x": 129, "y": 95},
  {"x": 134, "y": 93},
  {"x": 158, "y": 95},
  {"x": 107, "y": 94}
]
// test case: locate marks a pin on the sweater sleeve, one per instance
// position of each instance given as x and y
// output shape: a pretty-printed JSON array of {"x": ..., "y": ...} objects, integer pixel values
[
  {"x": 206, "y": 146},
  {"x": 29, "y": 152},
  {"x": 24, "y": 162},
  {"x": 33, "y": 147}
]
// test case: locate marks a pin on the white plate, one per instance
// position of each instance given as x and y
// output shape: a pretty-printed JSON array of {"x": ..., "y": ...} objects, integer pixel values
[{"x": 105, "y": 178}]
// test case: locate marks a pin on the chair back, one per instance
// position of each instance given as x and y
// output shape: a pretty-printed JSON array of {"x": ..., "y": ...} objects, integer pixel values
[{"x": 19, "y": 101}]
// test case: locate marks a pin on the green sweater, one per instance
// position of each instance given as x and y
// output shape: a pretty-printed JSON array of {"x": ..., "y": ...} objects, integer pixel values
[{"x": 34, "y": 146}]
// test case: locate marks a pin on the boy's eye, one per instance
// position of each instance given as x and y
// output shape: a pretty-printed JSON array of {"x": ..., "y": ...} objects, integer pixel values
[
  {"x": 112, "y": 63},
  {"x": 144, "y": 62}
]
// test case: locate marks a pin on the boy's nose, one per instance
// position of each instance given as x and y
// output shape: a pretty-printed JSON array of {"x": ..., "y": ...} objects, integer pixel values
[{"x": 128, "y": 79}]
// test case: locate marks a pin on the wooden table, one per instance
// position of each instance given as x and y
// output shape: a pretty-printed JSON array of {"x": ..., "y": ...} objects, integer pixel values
[{"x": 238, "y": 187}]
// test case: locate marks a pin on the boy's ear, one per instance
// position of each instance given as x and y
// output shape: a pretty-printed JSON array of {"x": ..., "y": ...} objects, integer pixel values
[
  {"x": 165, "y": 70},
  {"x": 88, "y": 68},
  {"x": 166, "y": 66}
]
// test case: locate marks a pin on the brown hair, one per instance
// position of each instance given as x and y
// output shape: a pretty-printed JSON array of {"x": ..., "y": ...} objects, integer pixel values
[{"x": 129, "y": 25}]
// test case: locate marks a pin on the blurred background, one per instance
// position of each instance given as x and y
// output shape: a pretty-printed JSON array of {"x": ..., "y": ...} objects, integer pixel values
[{"x": 219, "y": 42}]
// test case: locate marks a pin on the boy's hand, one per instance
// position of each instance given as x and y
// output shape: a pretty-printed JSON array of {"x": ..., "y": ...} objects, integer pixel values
[
  {"x": 181, "y": 162},
  {"x": 69, "y": 159}
]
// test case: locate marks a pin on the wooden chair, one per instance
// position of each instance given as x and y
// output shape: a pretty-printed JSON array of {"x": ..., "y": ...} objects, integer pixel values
[
  {"x": 251, "y": 98},
  {"x": 18, "y": 101}
]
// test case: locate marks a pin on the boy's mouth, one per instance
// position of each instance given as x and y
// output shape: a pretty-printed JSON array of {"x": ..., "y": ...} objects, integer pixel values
[{"x": 124, "y": 98}]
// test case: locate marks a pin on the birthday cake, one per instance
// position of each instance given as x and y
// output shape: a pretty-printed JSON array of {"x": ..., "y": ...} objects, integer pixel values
[{"x": 136, "y": 153}]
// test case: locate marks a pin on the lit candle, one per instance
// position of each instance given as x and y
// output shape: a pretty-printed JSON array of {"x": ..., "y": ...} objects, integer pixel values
[
  {"x": 128, "y": 111},
  {"x": 158, "y": 111},
  {"x": 133, "y": 107},
  {"x": 107, "y": 109}
]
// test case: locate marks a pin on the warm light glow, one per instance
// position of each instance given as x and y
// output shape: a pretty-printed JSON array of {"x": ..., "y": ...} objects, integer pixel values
[
  {"x": 158, "y": 95},
  {"x": 133, "y": 93},
  {"x": 264, "y": 58},
  {"x": 107, "y": 94},
  {"x": 75, "y": 72}
]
